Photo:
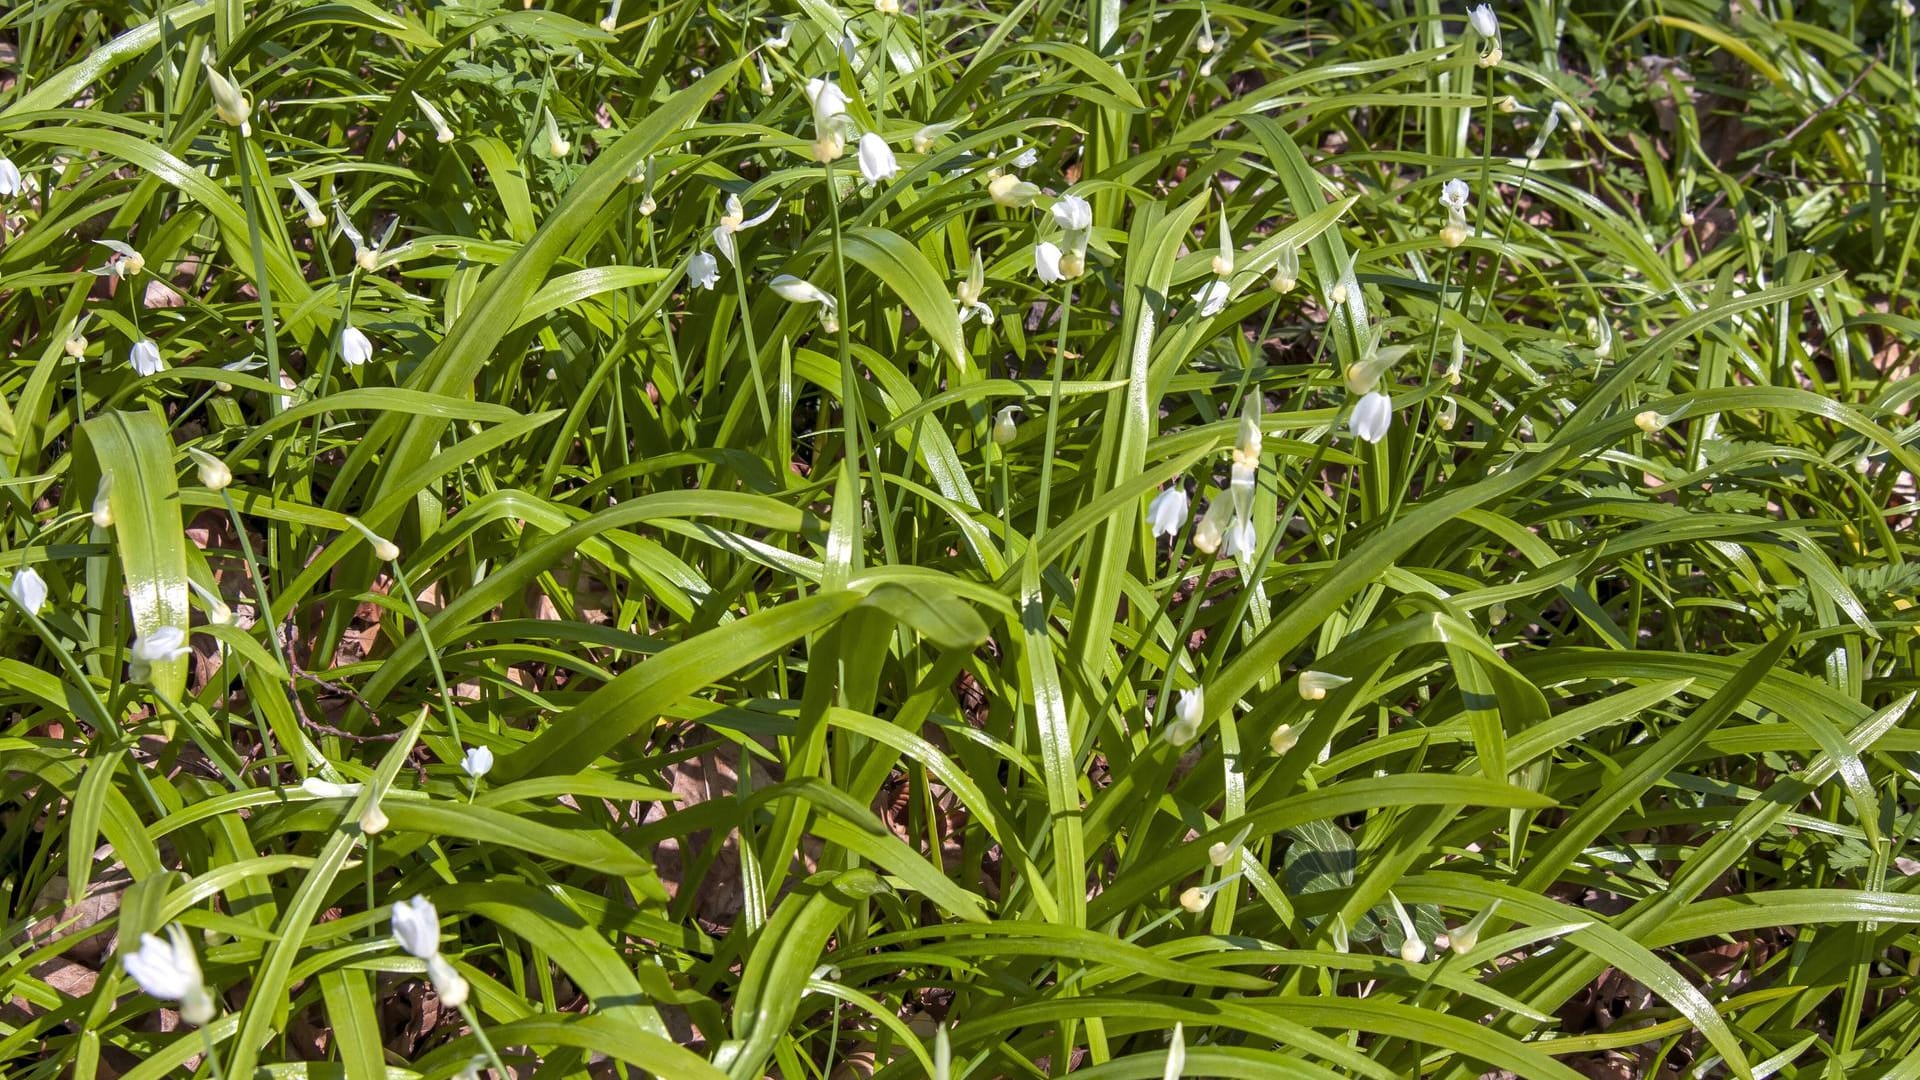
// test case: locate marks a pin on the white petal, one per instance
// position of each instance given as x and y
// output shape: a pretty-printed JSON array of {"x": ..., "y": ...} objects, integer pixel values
[
  {"x": 28, "y": 589},
  {"x": 1372, "y": 416},
  {"x": 876, "y": 159},
  {"x": 1046, "y": 262},
  {"x": 416, "y": 926}
]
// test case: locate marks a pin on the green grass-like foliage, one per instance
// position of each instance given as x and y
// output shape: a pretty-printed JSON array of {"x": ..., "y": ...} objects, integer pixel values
[{"x": 847, "y": 713}]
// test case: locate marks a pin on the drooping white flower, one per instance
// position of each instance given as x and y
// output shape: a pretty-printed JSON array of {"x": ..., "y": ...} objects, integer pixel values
[
  {"x": 703, "y": 270},
  {"x": 165, "y": 644},
  {"x": 170, "y": 971},
  {"x": 1412, "y": 949},
  {"x": 1286, "y": 270},
  {"x": 557, "y": 144},
  {"x": 1372, "y": 415},
  {"x": 1006, "y": 426},
  {"x": 10, "y": 181},
  {"x": 355, "y": 347},
  {"x": 1027, "y": 158},
  {"x": 1008, "y": 190},
  {"x": 316, "y": 218},
  {"x": 1242, "y": 540},
  {"x": 830, "y": 120},
  {"x": 28, "y": 589},
  {"x": 1212, "y": 529},
  {"x": 968, "y": 294},
  {"x": 735, "y": 220},
  {"x": 477, "y": 762},
  {"x": 441, "y": 132},
  {"x": 1223, "y": 257},
  {"x": 877, "y": 162},
  {"x": 1213, "y": 297},
  {"x": 1167, "y": 513},
  {"x": 145, "y": 358},
  {"x": 214, "y": 474},
  {"x": 1315, "y": 684},
  {"x": 801, "y": 291},
  {"x": 782, "y": 38},
  {"x": 1073, "y": 213},
  {"x": 1046, "y": 262},
  {"x": 1454, "y": 194},
  {"x": 229, "y": 104},
  {"x": 416, "y": 926},
  {"x": 325, "y": 789},
  {"x": 1486, "y": 24},
  {"x": 125, "y": 262}
]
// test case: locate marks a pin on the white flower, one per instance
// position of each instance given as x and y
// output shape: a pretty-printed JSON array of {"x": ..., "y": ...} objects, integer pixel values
[
  {"x": 557, "y": 145},
  {"x": 1219, "y": 852},
  {"x": 800, "y": 291},
  {"x": 416, "y": 926},
  {"x": 1028, "y": 159},
  {"x": 1242, "y": 540},
  {"x": 782, "y": 39},
  {"x": 1072, "y": 213},
  {"x": 164, "y": 645},
  {"x": 169, "y": 971},
  {"x": 145, "y": 358},
  {"x": 1046, "y": 262},
  {"x": 1167, "y": 513},
  {"x": 1188, "y": 712},
  {"x": 1412, "y": 950},
  {"x": 1212, "y": 530},
  {"x": 1223, "y": 258},
  {"x": 1213, "y": 297},
  {"x": 1371, "y": 417},
  {"x": 125, "y": 262},
  {"x": 364, "y": 256},
  {"x": 969, "y": 292},
  {"x": 1010, "y": 191},
  {"x": 829, "y": 104},
  {"x": 214, "y": 474},
  {"x": 703, "y": 270},
  {"x": 876, "y": 159},
  {"x": 923, "y": 139},
  {"x": 28, "y": 589},
  {"x": 10, "y": 182},
  {"x": 1454, "y": 194},
  {"x": 478, "y": 762},
  {"x": 441, "y": 132},
  {"x": 323, "y": 789},
  {"x": 735, "y": 220},
  {"x": 229, "y": 104},
  {"x": 355, "y": 347},
  {"x": 448, "y": 983},
  {"x": 316, "y": 218},
  {"x": 1006, "y": 425},
  {"x": 1315, "y": 684},
  {"x": 1485, "y": 23}
]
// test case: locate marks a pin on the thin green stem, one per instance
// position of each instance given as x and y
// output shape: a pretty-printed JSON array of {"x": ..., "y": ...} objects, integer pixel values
[
  {"x": 1053, "y": 416},
  {"x": 486, "y": 1045}
]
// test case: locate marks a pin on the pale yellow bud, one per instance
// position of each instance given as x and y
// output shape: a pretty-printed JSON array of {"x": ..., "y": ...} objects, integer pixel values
[
  {"x": 1194, "y": 900},
  {"x": 76, "y": 346},
  {"x": 1219, "y": 853},
  {"x": 1073, "y": 263},
  {"x": 1283, "y": 739},
  {"x": 1649, "y": 421},
  {"x": 830, "y": 147},
  {"x": 1012, "y": 192},
  {"x": 1453, "y": 235},
  {"x": 1282, "y": 283},
  {"x": 1337, "y": 295},
  {"x": 366, "y": 259},
  {"x": 385, "y": 550},
  {"x": 374, "y": 821}
]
